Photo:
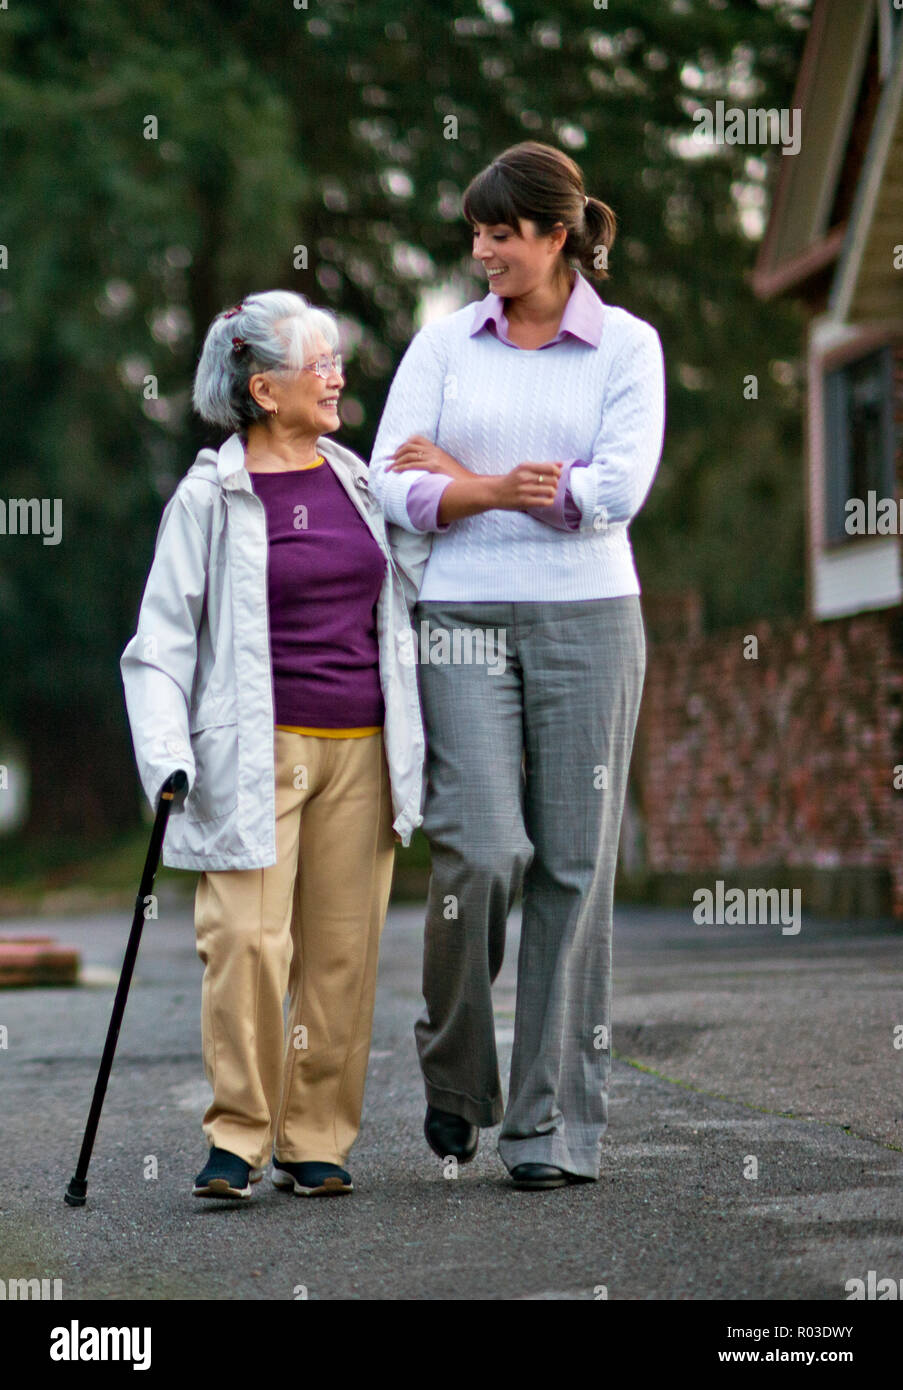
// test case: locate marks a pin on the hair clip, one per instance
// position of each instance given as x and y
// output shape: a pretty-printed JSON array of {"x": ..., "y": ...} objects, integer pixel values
[
  {"x": 238, "y": 344},
  {"x": 230, "y": 313}
]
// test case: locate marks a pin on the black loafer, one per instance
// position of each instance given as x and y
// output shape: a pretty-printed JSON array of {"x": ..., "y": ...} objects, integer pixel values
[
  {"x": 450, "y": 1136},
  {"x": 537, "y": 1176}
]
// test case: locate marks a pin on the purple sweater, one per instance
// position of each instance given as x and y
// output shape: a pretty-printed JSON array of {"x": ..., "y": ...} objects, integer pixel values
[{"x": 324, "y": 575}]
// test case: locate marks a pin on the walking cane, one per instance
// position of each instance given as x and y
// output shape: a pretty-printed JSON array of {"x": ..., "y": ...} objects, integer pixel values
[{"x": 76, "y": 1192}]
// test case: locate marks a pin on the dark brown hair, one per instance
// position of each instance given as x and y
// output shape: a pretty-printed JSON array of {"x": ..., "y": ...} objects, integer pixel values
[{"x": 544, "y": 185}]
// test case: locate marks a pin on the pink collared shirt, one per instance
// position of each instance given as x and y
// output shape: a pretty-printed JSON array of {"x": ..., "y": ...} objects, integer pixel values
[{"x": 582, "y": 320}]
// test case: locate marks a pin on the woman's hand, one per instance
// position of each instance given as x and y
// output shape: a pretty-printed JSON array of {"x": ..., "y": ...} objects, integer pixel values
[
  {"x": 516, "y": 491},
  {"x": 420, "y": 452},
  {"x": 527, "y": 485}
]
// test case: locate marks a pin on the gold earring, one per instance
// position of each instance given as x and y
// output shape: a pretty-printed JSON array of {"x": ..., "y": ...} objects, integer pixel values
[{"x": 275, "y": 411}]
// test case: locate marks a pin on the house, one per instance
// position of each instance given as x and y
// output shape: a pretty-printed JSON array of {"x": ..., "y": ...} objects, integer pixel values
[
  {"x": 835, "y": 242},
  {"x": 773, "y": 756}
]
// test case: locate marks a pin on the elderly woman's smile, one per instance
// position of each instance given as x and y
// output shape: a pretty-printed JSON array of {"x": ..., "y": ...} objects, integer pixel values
[
  {"x": 306, "y": 400},
  {"x": 296, "y": 402}
]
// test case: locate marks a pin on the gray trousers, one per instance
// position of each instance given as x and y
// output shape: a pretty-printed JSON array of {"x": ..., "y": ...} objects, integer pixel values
[{"x": 527, "y": 760}]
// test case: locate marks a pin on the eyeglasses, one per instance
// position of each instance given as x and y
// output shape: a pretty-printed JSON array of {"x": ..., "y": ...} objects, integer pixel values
[{"x": 325, "y": 366}]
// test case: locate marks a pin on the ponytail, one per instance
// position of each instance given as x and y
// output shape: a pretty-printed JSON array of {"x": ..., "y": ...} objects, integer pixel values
[{"x": 591, "y": 250}]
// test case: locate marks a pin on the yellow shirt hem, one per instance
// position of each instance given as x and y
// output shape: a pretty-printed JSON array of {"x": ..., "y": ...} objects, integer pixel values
[{"x": 331, "y": 733}]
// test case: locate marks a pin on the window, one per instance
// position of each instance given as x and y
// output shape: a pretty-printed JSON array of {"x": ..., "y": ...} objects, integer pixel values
[{"x": 859, "y": 436}]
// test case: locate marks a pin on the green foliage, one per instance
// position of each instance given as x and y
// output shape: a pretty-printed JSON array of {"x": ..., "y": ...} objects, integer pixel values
[{"x": 326, "y": 127}]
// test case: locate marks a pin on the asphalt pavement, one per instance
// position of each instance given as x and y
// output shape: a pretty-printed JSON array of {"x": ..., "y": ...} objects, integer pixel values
[{"x": 753, "y": 1150}]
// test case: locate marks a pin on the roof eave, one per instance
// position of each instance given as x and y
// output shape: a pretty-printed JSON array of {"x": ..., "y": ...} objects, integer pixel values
[{"x": 768, "y": 282}]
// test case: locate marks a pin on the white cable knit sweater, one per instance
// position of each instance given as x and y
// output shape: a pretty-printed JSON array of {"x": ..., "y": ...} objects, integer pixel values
[{"x": 492, "y": 406}]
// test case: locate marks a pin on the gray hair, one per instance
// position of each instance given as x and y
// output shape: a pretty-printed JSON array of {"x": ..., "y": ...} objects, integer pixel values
[{"x": 278, "y": 329}]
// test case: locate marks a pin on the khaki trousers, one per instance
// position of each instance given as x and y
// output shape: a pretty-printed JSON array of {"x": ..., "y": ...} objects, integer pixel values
[{"x": 309, "y": 924}]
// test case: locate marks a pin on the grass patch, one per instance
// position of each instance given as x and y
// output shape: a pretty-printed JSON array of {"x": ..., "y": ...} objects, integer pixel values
[
  {"x": 35, "y": 870},
  {"x": 110, "y": 869}
]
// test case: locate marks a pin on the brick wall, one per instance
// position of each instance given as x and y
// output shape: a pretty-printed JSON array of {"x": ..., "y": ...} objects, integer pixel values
[{"x": 784, "y": 763}]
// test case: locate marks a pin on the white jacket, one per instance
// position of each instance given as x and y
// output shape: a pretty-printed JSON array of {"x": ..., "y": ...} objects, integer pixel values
[{"x": 198, "y": 671}]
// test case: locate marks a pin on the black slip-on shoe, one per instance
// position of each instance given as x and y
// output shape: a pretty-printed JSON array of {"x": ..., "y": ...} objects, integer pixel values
[
  {"x": 450, "y": 1136},
  {"x": 224, "y": 1175},
  {"x": 537, "y": 1176},
  {"x": 311, "y": 1179}
]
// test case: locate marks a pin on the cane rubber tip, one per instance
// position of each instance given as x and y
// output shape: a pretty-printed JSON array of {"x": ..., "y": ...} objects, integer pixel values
[{"x": 76, "y": 1193}]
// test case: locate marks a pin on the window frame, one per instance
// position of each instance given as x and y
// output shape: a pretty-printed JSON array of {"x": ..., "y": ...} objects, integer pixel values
[{"x": 836, "y": 480}]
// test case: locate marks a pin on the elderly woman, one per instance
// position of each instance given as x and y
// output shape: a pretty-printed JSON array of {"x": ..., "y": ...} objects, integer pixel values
[
  {"x": 272, "y": 663},
  {"x": 520, "y": 438}
]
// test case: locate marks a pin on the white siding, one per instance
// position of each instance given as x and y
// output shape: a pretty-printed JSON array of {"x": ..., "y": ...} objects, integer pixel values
[{"x": 858, "y": 577}]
